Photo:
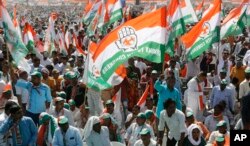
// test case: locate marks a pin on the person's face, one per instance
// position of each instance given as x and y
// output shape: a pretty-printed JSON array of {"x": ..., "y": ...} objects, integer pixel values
[
  {"x": 97, "y": 127},
  {"x": 222, "y": 129},
  {"x": 190, "y": 120},
  {"x": 145, "y": 138},
  {"x": 140, "y": 121},
  {"x": 171, "y": 83},
  {"x": 72, "y": 107},
  {"x": 110, "y": 108},
  {"x": 107, "y": 122},
  {"x": 35, "y": 80},
  {"x": 18, "y": 115},
  {"x": 135, "y": 111},
  {"x": 172, "y": 64},
  {"x": 64, "y": 127},
  {"x": 225, "y": 55},
  {"x": 149, "y": 103},
  {"x": 217, "y": 111},
  {"x": 223, "y": 75},
  {"x": 45, "y": 75},
  {"x": 7, "y": 95},
  {"x": 171, "y": 110},
  {"x": 46, "y": 122},
  {"x": 56, "y": 75},
  {"x": 59, "y": 105},
  {"x": 238, "y": 64},
  {"x": 196, "y": 134}
]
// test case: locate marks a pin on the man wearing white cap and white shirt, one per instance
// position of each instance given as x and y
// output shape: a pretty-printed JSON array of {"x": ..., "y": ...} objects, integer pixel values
[
  {"x": 244, "y": 87},
  {"x": 95, "y": 134},
  {"x": 66, "y": 135}
]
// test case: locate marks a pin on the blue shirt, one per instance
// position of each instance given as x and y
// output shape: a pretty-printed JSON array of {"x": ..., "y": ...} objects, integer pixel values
[
  {"x": 165, "y": 94},
  {"x": 37, "y": 96},
  {"x": 27, "y": 129},
  {"x": 72, "y": 137},
  {"x": 217, "y": 96}
]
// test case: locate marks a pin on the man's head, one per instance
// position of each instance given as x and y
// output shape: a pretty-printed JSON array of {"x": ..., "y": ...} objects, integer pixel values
[
  {"x": 44, "y": 118},
  {"x": 110, "y": 106},
  {"x": 45, "y": 73},
  {"x": 8, "y": 105},
  {"x": 171, "y": 82},
  {"x": 239, "y": 63},
  {"x": 72, "y": 104},
  {"x": 16, "y": 112},
  {"x": 149, "y": 103},
  {"x": 172, "y": 63},
  {"x": 36, "y": 62},
  {"x": 36, "y": 78},
  {"x": 223, "y": 84},
  {"x": 63, "y": 123},
  {"x": 190, "y": 118},
  {"x": 55, "y": 74},
  {"x": 225, "y": 54},
  {"x": 96, "y": 123},
  {"x": 106, "y": 119},
  {"x": 222, "y": 126},
  {"x": 218, "y": 109},
  {"x": 247, "y": 73},
  {"x": 145, "y": 135},
  {"x": 136, "y": 110},
  {"x": 141, "y": 119},
  {"x": 170, "y": 107},
  {"x": 59, "y": 103},
  {"x": 23, "y": 75},
  {"x": 202, "y": 76}
]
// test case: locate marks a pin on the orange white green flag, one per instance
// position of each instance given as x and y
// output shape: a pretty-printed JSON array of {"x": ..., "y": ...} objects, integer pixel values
[
  {"x": 92, "y": 76},
  {"x": 144, "y": 36},
  {"x": 90, "y": 14},
  {"x": 199, "y": 9},
  {"x": 175, "y": 24},
  {"x": 188, "y": 12},
  {"x": 233, "y": 24},
  {"x": 13, "y": 40},
  {"x": 28, "y": 36},
  {"x": 115, "y": 10},
  {"x": 204, "y": 33}
]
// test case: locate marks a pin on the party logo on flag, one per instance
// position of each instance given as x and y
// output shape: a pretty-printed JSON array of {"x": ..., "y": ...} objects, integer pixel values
[
  {"x": 205, "y": 30},
  {"x": 127, "y": 39},
  {"x": 95, "y": 72}
]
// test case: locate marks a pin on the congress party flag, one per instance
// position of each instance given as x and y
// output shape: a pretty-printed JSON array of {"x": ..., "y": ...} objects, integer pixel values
[{"x": 188, "y": 12}]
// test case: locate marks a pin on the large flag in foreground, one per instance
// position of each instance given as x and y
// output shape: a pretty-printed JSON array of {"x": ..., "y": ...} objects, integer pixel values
[
  {"x": 233, "y": 24},
  {"x": 15, "y": 45},
  {"x": 92, "y": 77},
  {"x": 144, "y": 36},
  {"x": 204, "y": 33}
]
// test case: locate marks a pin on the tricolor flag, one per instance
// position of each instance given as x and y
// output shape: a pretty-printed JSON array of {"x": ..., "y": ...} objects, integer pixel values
[
  {"x": 175, "y": 24},
  {"x": 115, "y": 10},
  {"x": 204, "y": 33},
  {"x": 62, "y": 45},
  {"x": 14, "y": 43},
  {"x": 188, "y": 12},
  {"x": 28, "y": 36},
  {"x": 92, "y": 76},
  {"x": 92, "y": 27},
  {"x": 144, "y": 36},
  {"x": 233, "y": 23},
  {"x": 199, "y": 9},
  {"x": 103, "y": 18},
  {"x": 142, "y": 100},
  {"x": 87, "y": 18},
  {"x": 16, "y": 23}
]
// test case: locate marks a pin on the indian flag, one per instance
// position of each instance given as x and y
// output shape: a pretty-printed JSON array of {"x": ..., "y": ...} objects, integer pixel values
[
  {"x": 50, "y": 34},
  {"x": 199, "y": 9},
  {"x": 14, "y": 43},
  {"x": 103, "y": 18},
  {"x": 233, "y": 24},
  {"x": 16, "y": 23},
  {"x": 204, "y": 33},
  {"x": 91, "y": 29},
  {"x": 115, "y": 10},
  {"x": 92, "y": 76},
  {"x": 175, "y": 24},
  {"x": 144, "y": 36},
  {"x": 188, "y": 12},
  {"x": 87, "y": 18},
  {"x": 62, "y": 45},
  {"x": 28, "y": 36}
]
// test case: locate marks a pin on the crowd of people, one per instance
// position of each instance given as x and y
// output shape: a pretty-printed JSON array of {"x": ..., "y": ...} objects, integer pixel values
[{"x": 190, "y": 103}]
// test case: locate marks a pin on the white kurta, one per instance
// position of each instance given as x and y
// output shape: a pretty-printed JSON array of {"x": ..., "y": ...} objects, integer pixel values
[{"x": 193, "y": 98}]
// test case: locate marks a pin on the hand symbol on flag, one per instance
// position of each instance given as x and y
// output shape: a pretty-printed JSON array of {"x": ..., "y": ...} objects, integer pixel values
[{"x": 127, "y": 39}]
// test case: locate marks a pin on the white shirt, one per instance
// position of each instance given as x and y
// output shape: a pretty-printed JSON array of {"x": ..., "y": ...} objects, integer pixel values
[
  {"x": 117, "y": 117},
  {"x": 46, "y": 62},
  {"x": 74, "y": 113},
  {"x": 175, "y": 123},
  {"x": 140, "y": 143},
  {"x": 246, "y": 59},
  {"x": 244, "y": 88},
  {"x": 221, "y": 65},
  {"x": 63, "y": 112},
  {"x": 23, "y": 92},
  {"x": 193, "y": 68},
  {"x": 211, "y": 123},
  {"x": 99, "y": 139},
  {"x": 72, "y": 137},
  {"x": 133, "y": 132}
]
